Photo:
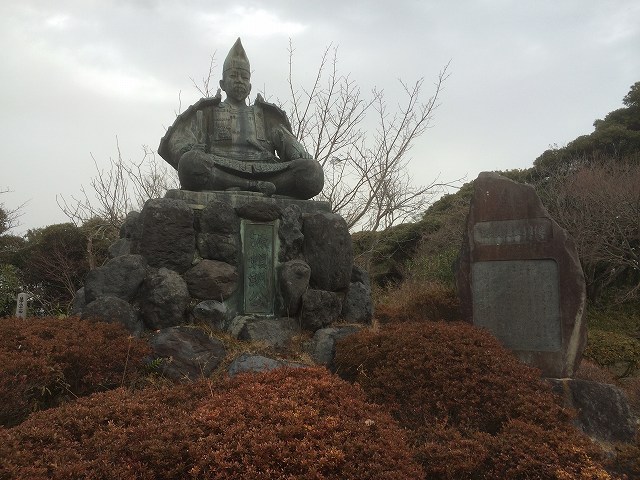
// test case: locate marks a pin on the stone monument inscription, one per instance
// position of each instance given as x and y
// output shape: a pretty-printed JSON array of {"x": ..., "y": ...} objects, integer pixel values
[
  {"x": 519, "y": 276},
  {"x": 530, "y": 320},
  {"x": 513, "y": 232},
  {"x": 258, "y": 248}
]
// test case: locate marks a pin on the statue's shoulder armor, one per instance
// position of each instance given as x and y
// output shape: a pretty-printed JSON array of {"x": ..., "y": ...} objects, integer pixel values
[
  {"x": 273, "y": 113},
  {"x": 182, "y": 121}
]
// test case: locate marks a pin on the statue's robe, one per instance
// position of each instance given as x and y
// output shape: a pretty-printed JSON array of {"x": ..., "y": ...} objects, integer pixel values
[{"x": 242, "y": 141}]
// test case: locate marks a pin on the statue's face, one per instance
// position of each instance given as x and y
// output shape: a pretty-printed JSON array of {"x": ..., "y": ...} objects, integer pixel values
[{"x": 236, "y": 84}]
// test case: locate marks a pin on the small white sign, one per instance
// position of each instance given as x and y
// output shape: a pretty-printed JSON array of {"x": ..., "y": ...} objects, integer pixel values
[{"x": 21, "y": 307}]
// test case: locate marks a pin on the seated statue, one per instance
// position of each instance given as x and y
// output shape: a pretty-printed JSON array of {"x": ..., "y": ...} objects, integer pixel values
[{"x": 229, "y": 145}]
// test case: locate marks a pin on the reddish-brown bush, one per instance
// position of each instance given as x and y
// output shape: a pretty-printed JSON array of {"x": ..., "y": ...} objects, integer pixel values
[
  {"x": 48, "y": 361},
  {"x": 474, "y": 411},
  {"x": 414, "y": 299},
  {"x": 286, "y": 424}
]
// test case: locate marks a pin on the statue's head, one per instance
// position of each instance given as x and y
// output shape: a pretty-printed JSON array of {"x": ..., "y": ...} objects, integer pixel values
[{"x": 236, "y": 74}]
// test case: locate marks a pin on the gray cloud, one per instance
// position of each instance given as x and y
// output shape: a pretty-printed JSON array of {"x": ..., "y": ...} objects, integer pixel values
[{"x": 523, "y": 75}]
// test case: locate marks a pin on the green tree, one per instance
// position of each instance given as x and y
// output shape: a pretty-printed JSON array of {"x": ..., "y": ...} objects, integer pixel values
[
  {"x": 617, "y": 137},
  {"x": 54, "y": 261}
]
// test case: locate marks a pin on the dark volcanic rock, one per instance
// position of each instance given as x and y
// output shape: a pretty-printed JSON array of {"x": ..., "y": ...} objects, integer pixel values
[
  {"x": 603, "y": 410},
  {"x": 119, "y": 277},
  {"x": 113, "y": 309},
  {"x": 259, "y": 211},
  {"x": 212, "y": 280},
  {"x": 290, "y": 233},
  {"x": 357, "y": 306},
  {"x": 168, "y": 237},
  {"x": 319, "y": 309},
  {"x": 217, "y": 246},
  {"x": 275, "y": 332},
  {"x": 187, "y": 352},
  {"x": 213, "y": 313},
  {"x": 294, "y": 281},
  {"x": 219, "y": 217},
  {"x": 248, "y": 362},
  {"x": 322, "y": 347},
  {"x": 328, "y": 251},
  {"x": 164, "y": 298}
]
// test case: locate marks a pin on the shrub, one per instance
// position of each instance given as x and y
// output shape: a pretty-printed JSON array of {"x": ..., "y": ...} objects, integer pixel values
[
  {"x": 613, "y": 350},
  {"x": 48, "y": 361},
  {"x": 473, "y": 410},
  {"x": 417, "y": 299},
  {"x": 293, "y": 424}
]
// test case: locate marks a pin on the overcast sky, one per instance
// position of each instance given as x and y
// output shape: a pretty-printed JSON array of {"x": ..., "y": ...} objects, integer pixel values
[{"x": 524, "y": 75}]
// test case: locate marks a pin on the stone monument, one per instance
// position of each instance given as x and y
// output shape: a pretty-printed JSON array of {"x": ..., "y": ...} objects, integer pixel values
[
  {"x": 519, "y": 276},
  {"x": 240, "y": 246}
]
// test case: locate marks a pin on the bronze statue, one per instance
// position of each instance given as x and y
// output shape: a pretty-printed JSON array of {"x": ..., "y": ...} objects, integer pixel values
[{"x": 229, "y": 145}]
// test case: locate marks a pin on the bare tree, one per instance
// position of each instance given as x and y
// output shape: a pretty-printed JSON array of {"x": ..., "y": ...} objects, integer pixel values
[
  {"x": 9, "y": 217},
  {"x": 114, "y": 192},
  {"x": 598, "y": 202},
  {"x": 366, "y": 177},
  {"x": 125, "y": 186}
]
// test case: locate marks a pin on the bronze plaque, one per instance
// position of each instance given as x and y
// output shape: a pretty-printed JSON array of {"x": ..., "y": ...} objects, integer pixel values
[{"x": 258, "y": 248}]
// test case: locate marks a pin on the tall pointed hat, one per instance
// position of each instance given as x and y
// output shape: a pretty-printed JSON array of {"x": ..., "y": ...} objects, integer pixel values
[{"x": 236, "y": 58}]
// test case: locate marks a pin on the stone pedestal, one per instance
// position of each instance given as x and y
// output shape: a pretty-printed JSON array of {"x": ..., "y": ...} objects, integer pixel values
[{"x": 216, "y": 256}]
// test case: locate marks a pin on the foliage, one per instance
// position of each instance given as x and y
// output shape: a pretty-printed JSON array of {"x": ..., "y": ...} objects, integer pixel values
[
  {"x": 472, "y": 409},
  {"x": 48, "y": 361},
  {"x": 614, "y": 350},
  {"x": 53, "y": 262},
  {"x": 9, "y": 288},
  {"x": 413, "y": 299},
  {"x": 113, "y": 193},
  {"x": 621, "y": 318},
  {"x": 626, "y": 459},
  {"x": 599, "y": 204},
  {"x": 617, "y": 136},
  {"x": 383, "y": 253},
  {"x": 295, "y": 424}
]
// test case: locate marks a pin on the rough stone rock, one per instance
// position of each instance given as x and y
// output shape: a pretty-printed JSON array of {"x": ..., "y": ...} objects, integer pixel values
[
  {"x": 328, "y": 251},
  {"x": 359, "y": 274},
  {"x": 322, "y": 346},
  {"x": 319, "y": 309},
  {"x": 249, "y": 363},
  {"x": 519, "y": 276},
  {"x": 357, "y": 306},
  {"x": 122, "y": 246},
  {"x": 259, "y": 211},
  {"x": 219, "y": 217},
  {"x": 119, "y": 277},
  {"x": 275, "y": 332},
  {"x": 294, "y": 281},
  {"x": 111, "y": 310},
  {"x": 216, "y": 246},
  {"x": 131, "y": 227},
  {"x": 212, "y": 313},
  {"x": 168, "y": 237},
  {"x": 78, "y": 302},
  {"x": 237, "y": 324},
  {"x": 164, "y": 298},
  {"x": 212, "y": 280},
  {"x": 187, "y": 352},
  {"x": 603, "y": 410},
  {"x": 290, "y": 234}
]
